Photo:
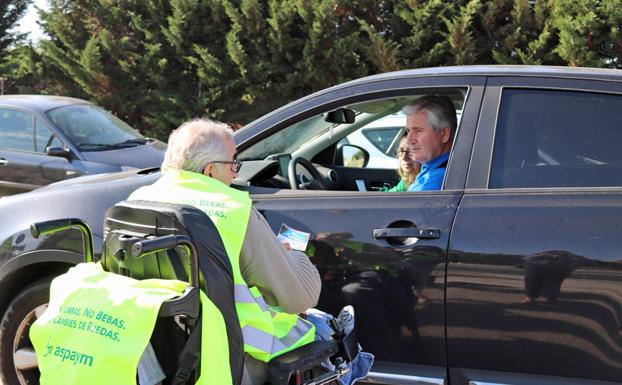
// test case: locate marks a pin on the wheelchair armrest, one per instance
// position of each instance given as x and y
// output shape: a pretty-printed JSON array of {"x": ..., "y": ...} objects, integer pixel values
[{"x": 303, "y": 358}]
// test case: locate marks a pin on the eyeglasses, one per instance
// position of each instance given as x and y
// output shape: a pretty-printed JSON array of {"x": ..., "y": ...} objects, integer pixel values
[
  {"x": 402, "y": 152},
  {"x": 235, "y": 164}
]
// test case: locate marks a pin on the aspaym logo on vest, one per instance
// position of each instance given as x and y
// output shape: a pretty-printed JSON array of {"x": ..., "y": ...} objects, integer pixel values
[{"x": 67, "y": 354}]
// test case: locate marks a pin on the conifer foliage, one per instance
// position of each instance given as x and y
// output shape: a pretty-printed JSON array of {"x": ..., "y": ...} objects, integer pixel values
[
  {"x": 156, "y": 63},
  {"x": 10, "y": 13}
]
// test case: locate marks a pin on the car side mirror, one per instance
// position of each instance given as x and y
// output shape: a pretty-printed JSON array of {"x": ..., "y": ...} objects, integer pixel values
[
  {"x": 58, "y": 151},
  {"x": 349, "y": 155},
  {"x": 340, "y": 115}
]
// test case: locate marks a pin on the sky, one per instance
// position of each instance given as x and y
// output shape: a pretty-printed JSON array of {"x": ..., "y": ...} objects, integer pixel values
[{"x": 28, "y": 24}]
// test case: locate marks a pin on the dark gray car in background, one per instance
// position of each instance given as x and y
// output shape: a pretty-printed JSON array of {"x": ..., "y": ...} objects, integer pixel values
[{"x": 45, "y": 139}]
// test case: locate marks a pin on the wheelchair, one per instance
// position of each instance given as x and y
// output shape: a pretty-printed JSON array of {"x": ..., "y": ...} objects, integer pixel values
[{"x": 168, "y": 241}]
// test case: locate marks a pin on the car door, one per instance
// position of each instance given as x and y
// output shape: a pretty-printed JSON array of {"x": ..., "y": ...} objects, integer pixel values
[
  {"x": 395, "y": 284},
  {"x": 534, "y": 292},
  {"x": 24, "y": 165}
]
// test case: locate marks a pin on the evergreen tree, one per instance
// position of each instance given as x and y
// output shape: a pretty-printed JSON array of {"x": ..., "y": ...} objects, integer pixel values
[
  {"x": 589, "y": 32},
  {"x": 379, "y": 24},
  {"x": 11, "y": 58},
  {"x": 284, "y": 49},
  {"x": 517, "y": 32},
  {"x": 197, "y": 31},
  {"x": 20, "y": 68},
  {"x": 462, "y": 44},
  {"x": 10, "y": 13},
  {"x": 422, "y": 34},
  {"x": 156, "y": 63},
  {"x": 133, "y": 58}
]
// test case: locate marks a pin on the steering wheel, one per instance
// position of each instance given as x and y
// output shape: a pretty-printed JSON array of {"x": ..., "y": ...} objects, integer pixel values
[{"x": 317, "y": 180}]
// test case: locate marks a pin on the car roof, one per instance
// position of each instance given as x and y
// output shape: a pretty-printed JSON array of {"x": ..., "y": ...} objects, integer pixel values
[
  {"x": 485, "y": 70},
  {"x": 38, "y": 103},
  {"x": 502, "y": 70}
]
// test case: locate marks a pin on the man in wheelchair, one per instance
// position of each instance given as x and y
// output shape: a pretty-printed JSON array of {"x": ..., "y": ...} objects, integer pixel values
[{"x": 268, "y": 285}]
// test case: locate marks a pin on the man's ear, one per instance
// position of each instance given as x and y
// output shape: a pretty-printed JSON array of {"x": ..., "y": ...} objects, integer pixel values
[
  {"x": 208, "y": 169},
  {"x": 445, "y": 135}
]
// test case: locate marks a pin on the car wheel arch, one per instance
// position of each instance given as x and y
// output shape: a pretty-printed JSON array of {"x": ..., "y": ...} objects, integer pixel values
[{"x": 32, "y": 266}]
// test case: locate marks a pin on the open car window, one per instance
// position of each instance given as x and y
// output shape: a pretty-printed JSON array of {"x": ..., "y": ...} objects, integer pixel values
[{"x": 362, "y": 136}]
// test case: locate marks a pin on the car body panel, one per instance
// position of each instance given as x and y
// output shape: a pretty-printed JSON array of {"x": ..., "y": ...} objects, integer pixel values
[
  {"x": 507, "y": 243},
  {"x": 27, "y": 170},
  {"x": 349, "y": 257}
]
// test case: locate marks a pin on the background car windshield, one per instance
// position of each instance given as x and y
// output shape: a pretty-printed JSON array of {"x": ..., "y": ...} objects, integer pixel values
[{"x": 92, "y": 128}]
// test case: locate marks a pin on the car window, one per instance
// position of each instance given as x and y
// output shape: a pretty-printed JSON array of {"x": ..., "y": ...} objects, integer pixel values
[
  {"x": 16, "y": 131},
  {"x": 551, "y": 138},
  {"x": 90, "y": 127},
  {"x": 382, "y": 138},
  {"x": 353, "y": 145},
  {"x": 44, "y": 137}
]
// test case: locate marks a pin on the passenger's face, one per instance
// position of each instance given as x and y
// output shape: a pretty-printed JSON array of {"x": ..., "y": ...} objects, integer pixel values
[
  {"x": 407, "y": 165},
  {"x": 425, "y": 143},
  {"x": 221, "y": 171}
]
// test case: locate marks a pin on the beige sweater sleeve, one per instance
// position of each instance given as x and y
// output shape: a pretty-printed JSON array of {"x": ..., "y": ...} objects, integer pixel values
[{"x": 285, "y": 279}]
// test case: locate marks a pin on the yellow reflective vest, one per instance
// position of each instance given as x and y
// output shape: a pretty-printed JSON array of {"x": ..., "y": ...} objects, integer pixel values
[
  {"x": 267, "y": 331},
  {"x": 97, "y": 326}
]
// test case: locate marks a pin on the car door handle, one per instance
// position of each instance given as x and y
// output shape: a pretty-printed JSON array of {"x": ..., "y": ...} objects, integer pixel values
[
  {"x": 407, "y": 232},
  {"x": 3, "y": 162}
]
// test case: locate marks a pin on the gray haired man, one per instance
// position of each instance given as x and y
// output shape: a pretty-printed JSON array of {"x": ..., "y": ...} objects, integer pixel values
[{"x": 430, "y": 126}]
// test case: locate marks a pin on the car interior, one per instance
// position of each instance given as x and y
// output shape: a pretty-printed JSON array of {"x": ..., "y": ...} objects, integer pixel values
[{"x": 315, "y": 154}]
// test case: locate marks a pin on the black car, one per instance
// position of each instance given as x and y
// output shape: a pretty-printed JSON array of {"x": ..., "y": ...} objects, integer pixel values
[
  {"x": 45, "y": 139},
  {"x": 511, "y": 274}
]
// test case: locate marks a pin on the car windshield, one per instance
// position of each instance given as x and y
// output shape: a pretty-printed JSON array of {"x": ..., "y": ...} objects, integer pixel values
[
  {"x": 92, "y": 128},
  {"x": 288, "y": 139}
]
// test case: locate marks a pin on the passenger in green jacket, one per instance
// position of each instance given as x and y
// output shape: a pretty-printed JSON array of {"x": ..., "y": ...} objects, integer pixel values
[{"x": 408, "y": 168}]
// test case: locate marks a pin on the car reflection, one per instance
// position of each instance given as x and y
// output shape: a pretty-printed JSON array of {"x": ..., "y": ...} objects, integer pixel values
[
  {"x": 388, "y": 290},
  {"x": 573, "y": 312},
  {"x": 545, "y": 272}
]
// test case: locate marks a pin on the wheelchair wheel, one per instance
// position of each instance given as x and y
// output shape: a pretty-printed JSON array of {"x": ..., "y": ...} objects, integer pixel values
[{"x": 18, "y": 363}]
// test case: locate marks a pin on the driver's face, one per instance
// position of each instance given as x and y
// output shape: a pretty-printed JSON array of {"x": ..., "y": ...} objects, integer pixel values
[{"x": 425, "y": 143}]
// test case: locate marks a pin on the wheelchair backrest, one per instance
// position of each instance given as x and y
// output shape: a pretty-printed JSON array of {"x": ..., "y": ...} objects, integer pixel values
[{"x": 129, "y": 220}]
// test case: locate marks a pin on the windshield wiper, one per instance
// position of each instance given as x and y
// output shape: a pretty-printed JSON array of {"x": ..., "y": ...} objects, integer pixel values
[
  {"x": 130, "y": 143},
  {"x": 107, "y": 146},
  {"x": 96, "y": 146}
]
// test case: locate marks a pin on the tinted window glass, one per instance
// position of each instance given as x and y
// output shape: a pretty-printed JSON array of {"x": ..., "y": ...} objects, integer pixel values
[
  {"x": 45, "y": 138},
  {"x": 16, "y": 130},
  {"x": 557, "y": 139}
]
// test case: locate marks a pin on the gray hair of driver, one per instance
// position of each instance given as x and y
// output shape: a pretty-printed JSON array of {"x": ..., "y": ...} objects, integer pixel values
[
  {"x": 439, "y": 110},
  {"x": 196, "y": 143}
]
